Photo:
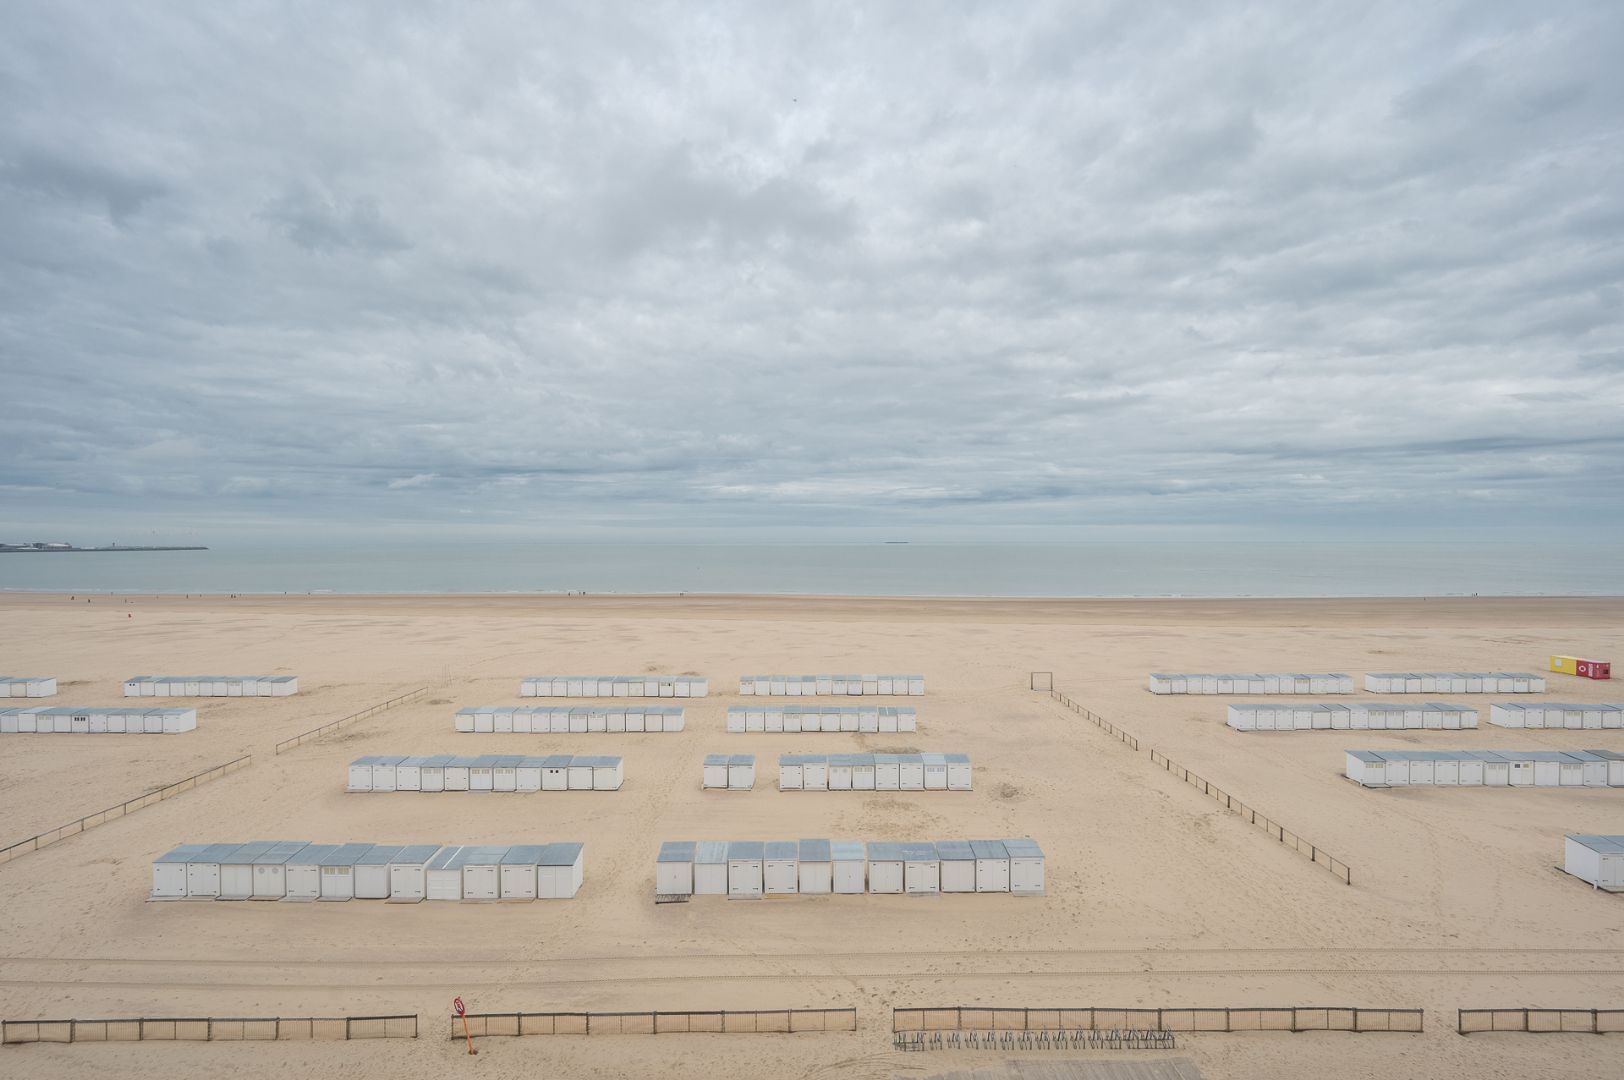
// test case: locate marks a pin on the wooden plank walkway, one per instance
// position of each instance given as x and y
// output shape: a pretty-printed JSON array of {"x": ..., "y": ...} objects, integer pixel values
[{"x": 1172, "y": 1069}]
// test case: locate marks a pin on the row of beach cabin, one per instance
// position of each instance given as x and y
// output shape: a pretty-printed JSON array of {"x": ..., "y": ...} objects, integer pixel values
[
  {"x": 1377, "y": 716},
  {"x": 295, "y": 870},
  {"x": 749, "y": 869},
  {"x": 23, "y": 686},
  {"x": 488, "y": 772},
  {"x": 1250, "y": 683},
  {"x": 1557, "y": 715},
  {"x": 96, "y": 720},
  {"x": 797, "y": 718},
  {"x": 1454, "y": 682},
  {"x": 1485, "y": 768},
  {"x": 211, "y": 686},
  {"x": 874, "y": 772},
  {"x": 1383, "y": 682},
  {"x": 541, "y": 719},
  {"x": 644, "y": 686},
  {"x": 826, "y": 685}
]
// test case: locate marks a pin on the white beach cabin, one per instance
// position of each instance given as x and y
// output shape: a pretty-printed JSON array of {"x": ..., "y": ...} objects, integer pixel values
[
  {"x": 885, "y": 867},
  {"x": 921, "y": 868},
  {"x": 958, "y": 866},
  {"x": 992, "y": 865},
  {"x": 482, "y": 871},
  {"x": 714, "y": 771},
  {"x": 710, "y": 868},
  {"x": 911, "y": 772},
  {"x": 442, "y": 876},
  {"x": 608, "y": 773},
  {"x": 271, "y": 869},
  {"x": 338, "y": 871},
  {"x": 674, "y": 869},
  {"x": 1026, "y": 876},
  {"x": 203, "y": 870},
  {"x": 372, "y": 871},
  {"x": 744, "y": 858},
  {"x": 1598, "y": 860},
  {"x": 780, "y": 867},
  {"x": 789, "y": 772},
  {"x": 408, "y": 873},
  {"x": 561, "y": 871},
  {"x": 816, "y": 867},
  {"x": 169, "y": 872},
  {"x": 303, "y": 873},
  {"x": 237, "y": 872},
  {"x": 849, "y": 863},
  {"x": 518, "y": 871}
]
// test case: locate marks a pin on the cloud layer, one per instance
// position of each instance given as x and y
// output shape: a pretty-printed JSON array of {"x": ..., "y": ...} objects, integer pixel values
[{"x": 745, "y": 266}]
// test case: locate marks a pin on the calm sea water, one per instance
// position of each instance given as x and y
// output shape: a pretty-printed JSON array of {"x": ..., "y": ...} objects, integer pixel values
[{"x": 1109, "y": 569}]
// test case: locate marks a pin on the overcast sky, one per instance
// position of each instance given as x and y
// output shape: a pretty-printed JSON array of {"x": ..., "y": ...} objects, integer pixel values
[{"x": 911, "y": 266}]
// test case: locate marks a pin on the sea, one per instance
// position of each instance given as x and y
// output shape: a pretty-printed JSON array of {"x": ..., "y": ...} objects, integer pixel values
[{"x": 974, "y": 569}]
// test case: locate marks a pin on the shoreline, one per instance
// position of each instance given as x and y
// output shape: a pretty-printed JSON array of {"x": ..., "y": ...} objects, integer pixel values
[
  {"x": 1011, "y": 598},
  {"x": 1590, "y": 612}
]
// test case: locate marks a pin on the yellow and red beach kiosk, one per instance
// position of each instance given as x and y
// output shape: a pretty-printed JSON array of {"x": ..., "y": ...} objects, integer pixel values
[{"x": 1585, "y": 669}]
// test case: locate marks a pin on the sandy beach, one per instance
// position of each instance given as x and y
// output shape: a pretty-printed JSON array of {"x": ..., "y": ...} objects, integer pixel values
[{"x": 1156, "y": 896}]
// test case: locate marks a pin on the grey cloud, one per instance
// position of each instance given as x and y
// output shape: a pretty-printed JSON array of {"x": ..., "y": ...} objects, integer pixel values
[
  {"x": 319, "y": 221},
  {"x": 806, "y": 267},
  {"x": 59, "y": 176}
]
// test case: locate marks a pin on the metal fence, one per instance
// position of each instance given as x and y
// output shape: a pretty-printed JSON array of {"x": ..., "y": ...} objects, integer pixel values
[
  {"x": 1541, "y": 1021},
  {"x": 210, "y": 1029},
  {"x": 113, "y": 813},
  {"x": 370, "y": 710},
  {"x": 724, "y": 1022},
  {"x": 1309, "y": 850},
  {"x": 1097, "y": 720},
  {"x": 1288, "y": 1018}
]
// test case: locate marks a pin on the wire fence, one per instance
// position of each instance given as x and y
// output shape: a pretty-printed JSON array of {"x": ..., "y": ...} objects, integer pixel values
[
  {"x": 1097, "y": 720},
  {"x": 722, "y": 1022},
  {"x": 1540, "y": 1021},
  {"x": 1302, "y": 846},
  {"x": 370, "y": 710},
  {"x": 210, "y": 1029},
  {"x": 113, "y": 813},
  {"x": 1309, "y": 850},
  {"x": 1287, "y": 1018}
]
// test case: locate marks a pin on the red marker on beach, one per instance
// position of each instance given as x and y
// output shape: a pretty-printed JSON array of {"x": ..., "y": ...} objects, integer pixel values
[{"x": 462, "y": 1011}]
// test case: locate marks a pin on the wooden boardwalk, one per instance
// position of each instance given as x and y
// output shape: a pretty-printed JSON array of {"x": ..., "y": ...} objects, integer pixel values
[{"x": 1172, "y": 1069}]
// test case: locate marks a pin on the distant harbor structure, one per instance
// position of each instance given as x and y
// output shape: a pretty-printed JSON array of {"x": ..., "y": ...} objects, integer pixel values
[{"x": 57, "y": 545}]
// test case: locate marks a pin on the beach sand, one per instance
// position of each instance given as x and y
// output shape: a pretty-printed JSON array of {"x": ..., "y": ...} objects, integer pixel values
[{"x": 1156, "y": 895}]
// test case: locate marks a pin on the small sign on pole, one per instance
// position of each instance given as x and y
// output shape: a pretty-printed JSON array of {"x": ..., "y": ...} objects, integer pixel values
[{"x": 462, "y": 1011}]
